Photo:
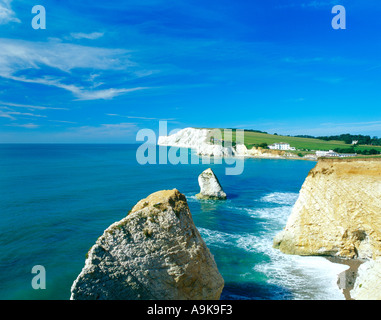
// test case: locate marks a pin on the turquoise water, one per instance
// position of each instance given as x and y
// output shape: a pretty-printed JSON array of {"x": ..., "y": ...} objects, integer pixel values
[{"x": 56, "y": 200}]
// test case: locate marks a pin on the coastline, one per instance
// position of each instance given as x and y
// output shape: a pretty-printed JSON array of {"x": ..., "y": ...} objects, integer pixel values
[
  {"x": 277, "y": 158},
  {"x": 347, "y": 278},
  {"x": 199, "y": 140}
]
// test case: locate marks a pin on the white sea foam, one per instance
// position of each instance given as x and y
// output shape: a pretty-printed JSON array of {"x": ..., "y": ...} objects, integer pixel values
[
  {"x": 306, "y": 277},
  {"x": 283, "y": 198},
  {"x": 272, "y": 216},
  {"x": 217, "y": 238},
  {"x": 247, "y": 242},
  {"x": 191, "y": 197}
]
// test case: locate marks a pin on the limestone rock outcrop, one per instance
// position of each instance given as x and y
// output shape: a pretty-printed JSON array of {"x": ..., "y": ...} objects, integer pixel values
[
  {"x": 266, "y": 153},
  {"x": 186, "y": 138},
  {"x": 368, "y": 281},
  {"x": 156, "y": 252},
  {"x": 209, "y": 143},
  {"x": 210, "y": 187},
  {"x": 338, "y": 212},
  {"x": 199, "y": 140},
  {"x": 215, "y": 150}
]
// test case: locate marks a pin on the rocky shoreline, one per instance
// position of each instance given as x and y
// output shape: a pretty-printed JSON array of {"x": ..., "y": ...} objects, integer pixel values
[
  {"x": 156, "y": 252},
  {"x": 346, "y": 279},
  {"x": 338, "y": 215}
]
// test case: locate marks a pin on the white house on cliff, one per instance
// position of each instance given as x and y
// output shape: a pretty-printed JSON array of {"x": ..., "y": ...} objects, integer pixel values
[{"x": 281, "y": 146}]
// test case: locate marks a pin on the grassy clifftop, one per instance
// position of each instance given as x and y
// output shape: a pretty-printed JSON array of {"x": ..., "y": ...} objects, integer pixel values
[
  {"x": 252, "y": 138},
  {"x": 256, "y": 138}
]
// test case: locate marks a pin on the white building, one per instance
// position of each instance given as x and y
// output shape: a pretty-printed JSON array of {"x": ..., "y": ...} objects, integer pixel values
[
  {"x": 329, "y": 153},
  {"x": 332, "y": 153},
  {"x": 281, "y": 146}
]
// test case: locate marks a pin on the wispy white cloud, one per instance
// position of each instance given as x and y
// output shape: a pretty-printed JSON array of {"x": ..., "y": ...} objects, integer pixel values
[
  {"x": 103, "y": 94},
  {"x": 102, "y": 132},
  {"x": 361, "y": 123},
  {"x": 302, "y": 60},
  {"x": 308, "y": 4},
  {"x": 25, "y": 125},
  {"x": 6, "y": 115},
  {"x": 17, "y": 105},
  {"x": 6, "y": 13},
  {"x": 79, "y": 92},
  {"x": 7, "y": 110},
  {"x": 89, "y": 36},
  {"x": 28, "y": 114},
  {"x": 63, "y": 121},
  {"x": 17, "y": 56},
  {"x": 136, "y": 117}
]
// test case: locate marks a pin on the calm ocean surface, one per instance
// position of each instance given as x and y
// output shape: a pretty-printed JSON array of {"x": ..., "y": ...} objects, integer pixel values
[{"x": 56, "y": 200}]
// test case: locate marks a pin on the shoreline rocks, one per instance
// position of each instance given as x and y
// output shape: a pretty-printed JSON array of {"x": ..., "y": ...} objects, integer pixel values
[
  {"x": 368, "y": 281},
  {"x": 338, "y": 214},
  {"x": 210, "y": 187},
  {"x": 156, "y": 252}
]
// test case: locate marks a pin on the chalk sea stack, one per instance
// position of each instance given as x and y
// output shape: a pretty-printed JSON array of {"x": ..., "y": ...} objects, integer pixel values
[
  {"x": 210, "y": 187},
  {"x": 155, "y": 253}
]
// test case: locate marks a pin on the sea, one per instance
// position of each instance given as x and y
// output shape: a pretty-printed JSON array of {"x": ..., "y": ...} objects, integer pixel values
[{"x": 57, "y": 199}]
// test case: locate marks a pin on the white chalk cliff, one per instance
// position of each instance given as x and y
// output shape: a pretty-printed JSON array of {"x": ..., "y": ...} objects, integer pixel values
[
  {"x": 338, "y": 213},
  {"x": 200, "y": 141},
  {"x": 368, "y": 281},
  {"x": 156, "y": 252},
  {"x": 186, "y": 138}
]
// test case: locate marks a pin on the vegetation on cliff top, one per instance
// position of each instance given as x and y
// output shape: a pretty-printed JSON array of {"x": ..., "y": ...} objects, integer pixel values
[{"x": 308, "y": 143}]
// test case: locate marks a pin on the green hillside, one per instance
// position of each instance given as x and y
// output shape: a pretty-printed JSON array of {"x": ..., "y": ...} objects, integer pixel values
[{"x": 256, "y": 138}]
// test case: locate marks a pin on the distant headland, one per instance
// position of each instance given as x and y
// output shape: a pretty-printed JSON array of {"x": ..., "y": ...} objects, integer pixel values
[{"x": 259, "y": 144}]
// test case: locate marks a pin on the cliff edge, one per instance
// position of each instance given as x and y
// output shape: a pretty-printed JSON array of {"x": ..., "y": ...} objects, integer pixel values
[
  {"x": 203, "y": 142},
  {"x": 338, "y": 212},
  {"x": 156, "y": 252}
]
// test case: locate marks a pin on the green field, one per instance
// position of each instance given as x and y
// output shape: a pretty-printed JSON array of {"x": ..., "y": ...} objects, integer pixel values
[{"x": 305, "y": 144}]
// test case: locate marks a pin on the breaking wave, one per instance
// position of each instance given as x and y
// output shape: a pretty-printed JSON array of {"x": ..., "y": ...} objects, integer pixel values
[{"x": 306, "y": 277}]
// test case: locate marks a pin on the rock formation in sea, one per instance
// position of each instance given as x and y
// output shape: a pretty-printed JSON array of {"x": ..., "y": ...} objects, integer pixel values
[
  {"x": 156, "y": 252},
  {"x": 210, "y": 187},
  {"x": 338, "y": 212}
]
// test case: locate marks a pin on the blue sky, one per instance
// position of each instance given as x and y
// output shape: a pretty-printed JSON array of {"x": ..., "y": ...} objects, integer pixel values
[{"x": 101, "y": 71}]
